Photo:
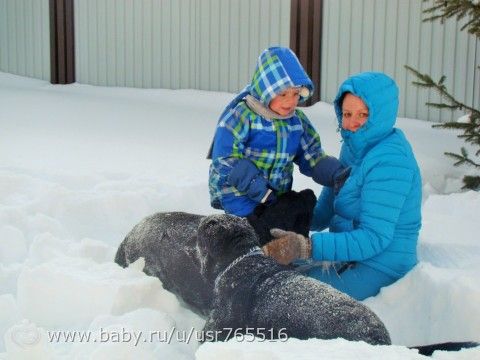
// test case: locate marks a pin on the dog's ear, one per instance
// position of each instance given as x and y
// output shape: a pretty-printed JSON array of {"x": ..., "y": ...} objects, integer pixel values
[
  {"x": 225, "y": 235},
  {"x": 292, "y": 212},
  {"x": 208, "y": 234},
  {"x": 282, "y": 214},
  {"x": 309, "y": 198},
  {"x": 306, "y": 204}
]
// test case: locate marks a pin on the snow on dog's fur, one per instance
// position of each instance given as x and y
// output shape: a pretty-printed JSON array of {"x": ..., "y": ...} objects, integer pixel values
[
  {"x": 253, "y": 291},
  {"x": 168, "y": 242},
  {"x": 253, "y": 294},
  {"x": 209, "y": 263}
]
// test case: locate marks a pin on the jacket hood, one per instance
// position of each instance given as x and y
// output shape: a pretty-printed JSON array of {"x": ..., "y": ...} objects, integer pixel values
[
  {"x": 380, "y": 93},
  {"x": 278, "y": 68}
]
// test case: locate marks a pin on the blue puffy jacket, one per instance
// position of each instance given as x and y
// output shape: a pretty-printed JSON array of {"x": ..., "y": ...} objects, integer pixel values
[{"x": 375, "y": 218}]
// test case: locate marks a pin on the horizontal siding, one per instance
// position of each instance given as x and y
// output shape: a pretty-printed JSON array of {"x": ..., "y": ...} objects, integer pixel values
[
  {"x": 385, "y": 35},
  {"x": 25, "y": 38},
  {"x": 176, "y": 44}
]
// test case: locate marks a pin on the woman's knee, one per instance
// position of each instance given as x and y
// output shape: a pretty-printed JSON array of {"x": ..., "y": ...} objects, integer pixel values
[{"x": 360, "y": 281}]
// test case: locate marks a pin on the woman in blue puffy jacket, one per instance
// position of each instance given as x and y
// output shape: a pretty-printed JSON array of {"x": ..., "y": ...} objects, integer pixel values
[{"x": 374, "y": 220}]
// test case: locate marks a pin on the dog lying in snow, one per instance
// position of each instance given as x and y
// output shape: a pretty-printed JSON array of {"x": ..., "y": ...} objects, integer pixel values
[
  {"x": 250, "y": 290},
  {"x": 253, "y": 294},
  {"x": 194, "y": 254},
  {"x": 253, "y": 291},
  {"x": 168, "y": 243}
]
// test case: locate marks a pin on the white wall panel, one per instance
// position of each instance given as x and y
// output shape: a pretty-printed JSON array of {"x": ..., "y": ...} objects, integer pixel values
[
  {"x": 25, "y": 38},
  {"x": 213, "y": 44},
  {"x": 385, "y": 35},
  {"x": 202, "y": 44},
  {"x": 475, "y": 80}
]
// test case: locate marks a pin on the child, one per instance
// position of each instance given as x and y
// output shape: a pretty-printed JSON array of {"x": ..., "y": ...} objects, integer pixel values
[{"x": 261, "y": 134}]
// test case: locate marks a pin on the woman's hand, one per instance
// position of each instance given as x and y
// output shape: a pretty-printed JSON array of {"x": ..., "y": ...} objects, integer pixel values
[{"x": 288, "y": 246}]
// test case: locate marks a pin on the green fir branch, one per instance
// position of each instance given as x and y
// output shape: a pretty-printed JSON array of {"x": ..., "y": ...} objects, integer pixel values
[
  {"x": 442, "y": 10},
  {"x": 428, "y": 82},
  {"x": 443, "y": 106},
  {"x": 462, "y": 159},
  {"x": 459, "y": 158},
  {"x": 471, "y": 182},
  {"x": 453, "y": 125},
  {"x": 445, "y": 9}
]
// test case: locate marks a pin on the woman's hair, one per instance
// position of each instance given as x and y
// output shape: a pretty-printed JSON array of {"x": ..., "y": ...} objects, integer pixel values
[
  {"x": 349, "y": 92},
  {"x": 340, "y": 101}
]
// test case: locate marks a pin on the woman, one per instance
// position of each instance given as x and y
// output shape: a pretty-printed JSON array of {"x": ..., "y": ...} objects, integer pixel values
[{"x": 374, "y": 220}]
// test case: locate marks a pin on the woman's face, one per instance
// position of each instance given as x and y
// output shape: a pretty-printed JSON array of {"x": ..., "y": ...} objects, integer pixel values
[{"x": 354, "y": 112}]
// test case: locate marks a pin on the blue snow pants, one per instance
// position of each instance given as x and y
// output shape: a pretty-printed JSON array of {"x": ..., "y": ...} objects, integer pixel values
[{"x": 359, "y": 281}]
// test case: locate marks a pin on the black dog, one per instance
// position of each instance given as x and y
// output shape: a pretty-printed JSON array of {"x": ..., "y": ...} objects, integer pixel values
[
  {"x": 192, "y": 253},
  {"x": 292, "y": 211},
  {"x": 254, "y": 292},
  {"x": 168, "y": 242},
  {"x": 255, "y": 295}
]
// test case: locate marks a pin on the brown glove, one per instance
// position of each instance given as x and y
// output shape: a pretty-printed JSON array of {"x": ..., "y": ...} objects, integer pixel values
[{"x": 288, "y": 246}]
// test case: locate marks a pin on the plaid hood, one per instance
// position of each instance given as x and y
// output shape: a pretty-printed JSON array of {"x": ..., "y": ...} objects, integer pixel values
[{"x": 278, "y": 68}]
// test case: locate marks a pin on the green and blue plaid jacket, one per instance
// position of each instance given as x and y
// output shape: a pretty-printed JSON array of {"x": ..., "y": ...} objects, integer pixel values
[{"x": 273, "y": 145}]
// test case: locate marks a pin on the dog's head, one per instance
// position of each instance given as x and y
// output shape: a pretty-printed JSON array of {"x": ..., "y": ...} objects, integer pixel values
[
  {"x": 223, "y": 238},
  {"x": 293, "y": 212}
]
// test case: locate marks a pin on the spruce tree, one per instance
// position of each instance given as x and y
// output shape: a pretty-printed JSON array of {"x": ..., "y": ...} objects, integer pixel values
[{"x": 470, "y": 126}]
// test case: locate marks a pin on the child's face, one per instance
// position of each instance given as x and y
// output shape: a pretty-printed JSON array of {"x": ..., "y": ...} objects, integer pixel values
[
  {"x": 285, "y": 102},
  {"x": 355, "y": 112}
]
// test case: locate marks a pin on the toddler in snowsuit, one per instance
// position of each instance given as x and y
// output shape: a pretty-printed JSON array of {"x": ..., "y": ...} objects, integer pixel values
[{"x": 261, "y": 134}]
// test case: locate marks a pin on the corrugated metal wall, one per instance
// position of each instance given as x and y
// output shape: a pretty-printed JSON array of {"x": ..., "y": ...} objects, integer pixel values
[
  {"x": 213, "y": 44},
  {"x": 200, "y": 44},
  {"x": 25, "y": 38},
  {"x": 385, "y": 35}
]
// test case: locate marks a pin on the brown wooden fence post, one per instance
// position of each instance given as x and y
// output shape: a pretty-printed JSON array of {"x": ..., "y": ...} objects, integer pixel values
[
  {"x": 62, "y": 42},
  {"x": 305, "y": 38}
]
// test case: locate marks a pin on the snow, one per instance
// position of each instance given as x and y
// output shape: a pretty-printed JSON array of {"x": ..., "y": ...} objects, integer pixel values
[
  {"x": 81, "y": 165},
  {"x": 314, "y": 349}
]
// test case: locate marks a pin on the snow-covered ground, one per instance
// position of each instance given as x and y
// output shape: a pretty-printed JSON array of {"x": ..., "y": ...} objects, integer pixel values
[{"x": 80, "y": 165}]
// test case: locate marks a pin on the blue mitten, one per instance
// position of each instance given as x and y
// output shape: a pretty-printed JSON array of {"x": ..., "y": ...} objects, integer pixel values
[
  {"x": 327, "y": 170},
  {"x": 247, "y": 178}
]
